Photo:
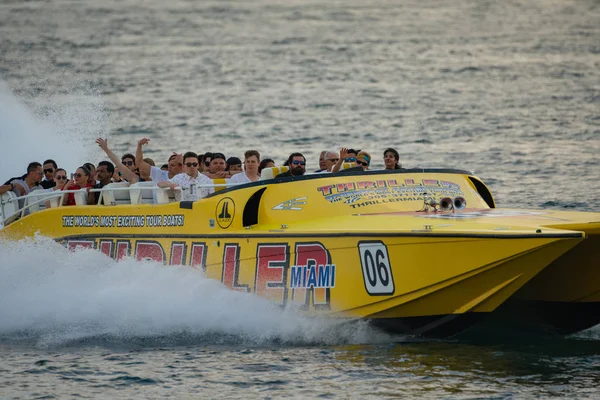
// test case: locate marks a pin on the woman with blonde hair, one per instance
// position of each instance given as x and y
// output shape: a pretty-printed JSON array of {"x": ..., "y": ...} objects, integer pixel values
[{"x": 363, "y": 159}]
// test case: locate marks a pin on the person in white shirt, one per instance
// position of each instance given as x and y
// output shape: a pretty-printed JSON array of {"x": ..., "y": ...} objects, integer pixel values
[
  {"x": 331, "y": 158},
  {"x": 190, "y": 180},
  {"x": 322, "y": 165},
  {"x": 174, "y": 166},
  {"x": 250, "y": 174}
]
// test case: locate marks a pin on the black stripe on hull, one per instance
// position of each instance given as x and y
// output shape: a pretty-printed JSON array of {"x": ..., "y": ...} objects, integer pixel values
[
  {"x": 281, "y": 234},
  {"x": 550, "y": 317},
  {"x": 435, "y": 326}
]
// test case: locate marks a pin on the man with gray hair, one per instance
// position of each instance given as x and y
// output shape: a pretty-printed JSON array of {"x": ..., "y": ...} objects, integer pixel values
[
  {"x": 322, "y": 166},
  {"x": 331, "y": 158}
]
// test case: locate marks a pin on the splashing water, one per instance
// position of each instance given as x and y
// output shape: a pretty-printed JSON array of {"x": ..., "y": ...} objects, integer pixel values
[
  {"x": 589, "y": 334},
  {"x": 55, "y": 296},
  {"x": 60, "y": 127}
]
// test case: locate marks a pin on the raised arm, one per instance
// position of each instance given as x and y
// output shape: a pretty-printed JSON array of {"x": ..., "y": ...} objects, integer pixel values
[
  {"x": 343, "y": 155},
  {"x": 126, "y": 172},
  {"x": 143, "y": 166}
]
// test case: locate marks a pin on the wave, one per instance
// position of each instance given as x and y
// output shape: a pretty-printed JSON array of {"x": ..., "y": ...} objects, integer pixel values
[
  {"x": 52, "y": 296},
  {"x": 59, "y": 126}
]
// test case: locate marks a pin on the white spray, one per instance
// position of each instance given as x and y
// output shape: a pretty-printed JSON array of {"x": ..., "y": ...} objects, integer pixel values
[
  {"x": 49, "y": 126},
  {"x": 57, "y": 296}
]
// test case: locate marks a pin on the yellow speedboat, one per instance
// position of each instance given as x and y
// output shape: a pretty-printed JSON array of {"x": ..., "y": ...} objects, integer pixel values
[{"x": 413, "y": 251}]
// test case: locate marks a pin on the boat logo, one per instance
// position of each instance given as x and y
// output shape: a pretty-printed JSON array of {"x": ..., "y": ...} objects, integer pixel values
[
  {"x": 293, "y": 204},
  {"x": 225, "y": 212},
  {"x": 366, "y": 193}
]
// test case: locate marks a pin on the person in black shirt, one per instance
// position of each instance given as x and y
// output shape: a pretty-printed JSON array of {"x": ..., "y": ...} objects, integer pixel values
[
  {"x": 49, "y": 168},
  {"x": 104, "y": 173},
  {"x": 297, "y": 164}
]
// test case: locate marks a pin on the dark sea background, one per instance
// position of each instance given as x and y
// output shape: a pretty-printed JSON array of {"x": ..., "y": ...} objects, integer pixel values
[{"x": 509, "y": 90}]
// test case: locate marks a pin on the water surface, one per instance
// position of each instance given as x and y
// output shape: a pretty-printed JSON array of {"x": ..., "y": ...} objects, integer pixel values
[{"x": 508, "y": 90}]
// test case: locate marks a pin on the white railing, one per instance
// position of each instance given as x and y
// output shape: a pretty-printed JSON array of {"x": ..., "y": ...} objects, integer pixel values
[{"x": 8, "y": 200}]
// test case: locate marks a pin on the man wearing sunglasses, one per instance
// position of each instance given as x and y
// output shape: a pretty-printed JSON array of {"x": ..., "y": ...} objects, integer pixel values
[
  {"x": 49, "y": 167},
  {"x": 331, "y": 158},
  {"x": 190, "y": 180},
  {"x": 124, "y": 170},
  {"x": 297, "y": 164},
  {"x": 206, "y": 161},
  {"x": 128, "y": 160},
  {"x": 346, "y": 156}
]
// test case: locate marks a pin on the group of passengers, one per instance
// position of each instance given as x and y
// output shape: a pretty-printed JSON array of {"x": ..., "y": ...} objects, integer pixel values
[{"x": 192, "y": 173}]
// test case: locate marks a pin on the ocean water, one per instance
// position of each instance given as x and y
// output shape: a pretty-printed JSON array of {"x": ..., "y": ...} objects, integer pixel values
[
  {"x": 509, "y": 90},
  {"x": 83, "y": 325}
]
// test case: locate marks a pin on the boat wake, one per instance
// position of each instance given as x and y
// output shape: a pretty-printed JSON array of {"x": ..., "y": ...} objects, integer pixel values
[
  {"x": 588, "y": 334},
  {"x": 52, "y": 124},
  {"x": 50, "y": 296}
]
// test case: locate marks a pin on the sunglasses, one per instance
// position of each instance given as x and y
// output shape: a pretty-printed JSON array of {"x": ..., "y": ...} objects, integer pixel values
[
  {"x": 128, "y": 163},
  {"x": 191, "y": 164},
  {"x": 207, "y": 163},
  {"x": 60, "y": 178},
  {"x": 296, "y": 162},
  {"x": 366, "y": 164},
  {"x": 49, "y": 170},
  {"x": 333, "y": 159},
  {"x": 349, "y": 159},
  {"x": 78, "y": 175}
]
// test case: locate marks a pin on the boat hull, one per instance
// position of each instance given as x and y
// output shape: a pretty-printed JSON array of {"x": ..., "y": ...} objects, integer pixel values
[
  {"x": 565, "y": 297},
  {"x": 410, "y": 284},
  {"x": 355, "y": 246}
]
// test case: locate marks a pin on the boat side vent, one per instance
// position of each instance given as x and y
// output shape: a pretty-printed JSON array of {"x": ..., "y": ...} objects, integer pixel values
[
  {"x": 484, "y": 192},
  {"x": 250, "y": 216},
  {"x": 188, "y": 205}
]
